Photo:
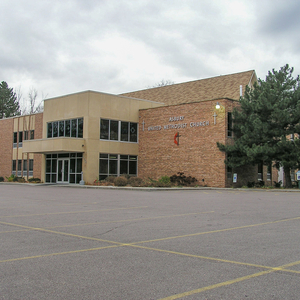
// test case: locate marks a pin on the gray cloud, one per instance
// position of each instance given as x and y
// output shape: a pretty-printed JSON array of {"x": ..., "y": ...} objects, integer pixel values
[{"x": 119, "y": 45}]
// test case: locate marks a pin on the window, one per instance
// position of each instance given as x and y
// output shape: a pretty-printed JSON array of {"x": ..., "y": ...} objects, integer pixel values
[
  {"x": 25, "y": 167},
  {"x": 15, "y": 139},
  {"x": 26, "y": 135},
  {"x": 20, "y": 138},
  {"x": 116, "y": 165},
  {"x": 260, "y": 171},
  {"x": 269, "y": 172},
  {"x": 229, "y": 124},
  {"x": 32, "y": 134},
  {"x": 19, "y": 167},
  {"x": 229, "y": 173},
  {"x": 118, "y": 131},
  {"x": 14, "y": 167},
  {"x": 30, "y": 167},
  {"x": 75, "y": 167},
  {"x": 65, "y": 128}
]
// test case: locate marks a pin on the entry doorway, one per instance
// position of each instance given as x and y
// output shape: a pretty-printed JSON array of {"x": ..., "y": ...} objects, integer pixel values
[{"x": 63, "y": 170}]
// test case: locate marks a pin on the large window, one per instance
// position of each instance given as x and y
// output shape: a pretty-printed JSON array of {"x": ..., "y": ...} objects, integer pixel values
[
  {"x": 65, "y": 128},
  {"x": 116, "y": 165},
  {"x": 14, "y": 167},
  {"x": 118, "y": 131},
  {"x": 74, "y": 169},
  {"x": 20, "y": 138},
  {"x": 260, "y": 171}
]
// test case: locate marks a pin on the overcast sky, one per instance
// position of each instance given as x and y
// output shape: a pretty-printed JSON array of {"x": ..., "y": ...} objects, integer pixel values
[{"x": 115, "y": 46}]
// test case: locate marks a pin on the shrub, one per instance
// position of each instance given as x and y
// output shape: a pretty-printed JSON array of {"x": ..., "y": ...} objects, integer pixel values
[
  {"x": 181, "y": 179},
  {"x": 18, "y": 179},
  {"x": 278, "y": 184},
  {"x": 110, "y": 179},
  {"x": 135, "y": 181},
  {"x": 1, "y": 179},
  {"x": 164, "y": 180},
  {"x": 120, "y": 181},
  {"x": 37, "y": 180},
  {"x": 250, "y": 184},
  {"x": 10, "y": 178},
  {"x": 260, "y": 184}
]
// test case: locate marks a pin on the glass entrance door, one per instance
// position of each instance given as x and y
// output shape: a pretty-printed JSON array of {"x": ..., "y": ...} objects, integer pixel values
[{"x": 63, "y": 170}]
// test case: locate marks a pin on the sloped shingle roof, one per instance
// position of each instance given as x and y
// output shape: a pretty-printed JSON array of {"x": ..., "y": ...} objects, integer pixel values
[{"x": 225, "y": 86}]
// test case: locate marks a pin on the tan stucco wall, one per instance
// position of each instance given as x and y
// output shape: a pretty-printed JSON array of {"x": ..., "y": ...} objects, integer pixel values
[{"x": 91, "y": 106}]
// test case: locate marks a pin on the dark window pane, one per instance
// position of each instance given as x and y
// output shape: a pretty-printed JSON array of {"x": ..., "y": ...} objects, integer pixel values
[
  {"x": 79, "y": 154},
  {"x": 20, "y": 136},
  {"x": 55, "y": 129},
  {"x": 54, "y": 163},
  {"x": 49, "y": 130},
  {"x": 102, "y": 155},
  {"x": 48, "y": 178},
  {"x": 113, "y": 167},
  {"x": 24, "y": 165},
  {"x": 53, "y": 178},
  {"x": 114, "y": 129},
  {"x": 14, "y": 165},
  {"x": 133, "y": 132},
  {"x": 229, "y": 121},
  {"x": 19, "y": 165},
  {"x": 123, "y": 167},
  {"x": 72, "y": 178},
  {"x": 124, "y": 157},
  {"x": 72, "y": 165},
  {"x": 61, "y": 128},
  {"x": 104, "y": 127},
  {"x": 30, "y": 164},
  {"x": 15, "y": 137},
  {"x": 102, "y": 177},
  {"x": 79, "y": 165},
  {"x": 103, "y": 166},
  {"x": 74, "y": 128},
  {"x": 67, "y": 128},
  {"x": 132, "y": 167},
  {"x": 124, "y": 131},
  {"x": 32, "y": 134},
  {"x": 80, "y": 127},
  {"x": 113, "y": 156},
  {"x": 48, "y": 165},
  {"x": 48, "y": 155},
  {"x": 63, "y": 155},
  {"x": 132, "y": 157}
]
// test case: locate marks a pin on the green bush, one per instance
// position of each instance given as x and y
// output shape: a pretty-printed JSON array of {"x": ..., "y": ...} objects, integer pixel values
[
  {"x": 18, "y": 179},
  {"x": 11, "y": 178},
  {"x": 1, "y": 179},
  {"x": 120, "y": 181},
  {"x": 164, "y": 180}
]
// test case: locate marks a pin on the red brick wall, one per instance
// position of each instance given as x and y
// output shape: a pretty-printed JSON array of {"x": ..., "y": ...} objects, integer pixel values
[
  {"x": 196, "y": 155},
  {"x": 6, "y": 146}
]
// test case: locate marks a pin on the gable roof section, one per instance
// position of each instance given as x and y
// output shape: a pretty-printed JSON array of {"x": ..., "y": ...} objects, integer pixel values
[{"x": 225, "y": 86}]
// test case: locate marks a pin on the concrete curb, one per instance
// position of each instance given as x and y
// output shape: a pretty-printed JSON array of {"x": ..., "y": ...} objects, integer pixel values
[{"x": 150, "y": 188}]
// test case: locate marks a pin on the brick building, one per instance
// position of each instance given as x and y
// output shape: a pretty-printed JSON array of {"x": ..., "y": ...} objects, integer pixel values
[{"x": 148, "y": 133}]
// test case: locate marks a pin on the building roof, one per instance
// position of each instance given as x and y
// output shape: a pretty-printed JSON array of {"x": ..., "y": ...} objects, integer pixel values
[{"x": 220, "y": 87}]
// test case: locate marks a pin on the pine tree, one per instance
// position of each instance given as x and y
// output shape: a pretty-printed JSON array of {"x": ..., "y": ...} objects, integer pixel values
[
  {"x": 268, "y": 116},
  {"x": 9, "y": 105}
]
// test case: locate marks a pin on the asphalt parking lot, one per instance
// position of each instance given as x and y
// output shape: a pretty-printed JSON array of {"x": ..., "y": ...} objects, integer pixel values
[{"x": 86, "y": 243}]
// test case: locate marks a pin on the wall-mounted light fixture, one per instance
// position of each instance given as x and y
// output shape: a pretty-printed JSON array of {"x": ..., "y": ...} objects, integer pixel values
[{"x": 218, "y": 106}]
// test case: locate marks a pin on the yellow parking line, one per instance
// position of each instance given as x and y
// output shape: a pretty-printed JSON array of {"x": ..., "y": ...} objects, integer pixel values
[
  {"x": 59, "y": 253},
  {"x": 216, "y": 231},
  {"x": 73, "y": 212},
  {"x": 225, "y": 283}
]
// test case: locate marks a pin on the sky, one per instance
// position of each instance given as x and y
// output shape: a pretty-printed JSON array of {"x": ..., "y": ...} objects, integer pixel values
[{"x": 116, "y": 46}]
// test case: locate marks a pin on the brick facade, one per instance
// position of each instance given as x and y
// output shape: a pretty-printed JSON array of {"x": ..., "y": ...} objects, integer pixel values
[
  {"x": 6, "y": 142},
  {"x": 200, "y": 126}
]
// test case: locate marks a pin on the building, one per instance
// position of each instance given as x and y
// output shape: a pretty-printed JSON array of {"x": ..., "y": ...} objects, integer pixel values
[{"x": 148, "y": 133}]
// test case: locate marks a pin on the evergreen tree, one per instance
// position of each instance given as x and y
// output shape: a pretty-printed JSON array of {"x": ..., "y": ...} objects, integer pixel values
[
  {"x": 266, "y": 125},
  {"x": 9, "y": 105}
]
